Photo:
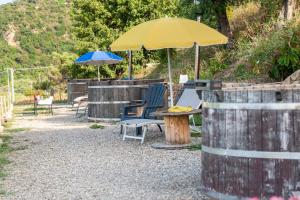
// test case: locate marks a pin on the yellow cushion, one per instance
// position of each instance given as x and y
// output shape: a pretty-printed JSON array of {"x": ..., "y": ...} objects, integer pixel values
[{"x": 180, "y": 109}]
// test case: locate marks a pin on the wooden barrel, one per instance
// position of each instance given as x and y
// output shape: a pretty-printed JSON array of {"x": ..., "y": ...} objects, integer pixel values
[
  {"x": 251, "y": 142},
  {"x": 107, "y": 98}
]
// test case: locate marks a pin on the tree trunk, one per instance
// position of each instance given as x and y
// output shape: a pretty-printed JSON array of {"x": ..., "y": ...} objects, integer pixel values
[
  {"x": 287, "y": 11},
  {"x": 224, "y": 26}
]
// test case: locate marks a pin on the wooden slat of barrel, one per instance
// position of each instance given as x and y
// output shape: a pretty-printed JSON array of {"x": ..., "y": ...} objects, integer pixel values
[
  {"x": 210, "y": 126},
  {"x": 297, "y": 149},
  {"x": 270, "y": 143},
  {"x": 204, "y": 127},
  {"x": 255, "y": 143},
  {"x": 287, "y": 95},
  {"x": 213, "y": 142},
  {"x": 285, "y": 125},
  {"x": 205, "y": 156},
  {"x": 204, "y": 173},
  {"x": 213, "y": 171},
  {"x": 230, "y": 97},
  {"x": 106, "y": 107},
  {"x": 296, "y": 95},
  {"x": 222, "y": 140},
  {"x": 241, "y": 140},
  {"x": 117, "y": 108}
]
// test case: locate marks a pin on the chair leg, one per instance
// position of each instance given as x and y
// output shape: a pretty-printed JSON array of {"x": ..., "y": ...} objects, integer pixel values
[
  {"x": 159, "y": 127},
  {"x": 51, "y": 108},
  {"x": 121, "y": 130},
  {"x": 35, "y": 109},
  {"x": 85, "y": 111},
  {"x": 145, "y": 129},
  {"x": 125, "y": 132},
  {"x": 77, "y": 111},
  {"x": 139, "y": 131}
]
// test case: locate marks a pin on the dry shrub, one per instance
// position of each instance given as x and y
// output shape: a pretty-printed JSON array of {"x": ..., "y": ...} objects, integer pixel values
[{"x": 246, "y": 20}]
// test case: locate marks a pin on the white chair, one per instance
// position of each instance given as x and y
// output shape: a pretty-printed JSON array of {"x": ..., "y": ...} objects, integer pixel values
[
  {"x": 189, "y": 97},
  {"x": 43, "y": 102}
]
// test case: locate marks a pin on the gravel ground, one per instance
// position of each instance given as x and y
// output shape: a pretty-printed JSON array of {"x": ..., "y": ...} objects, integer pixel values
[{"x": 64, "y": 159}]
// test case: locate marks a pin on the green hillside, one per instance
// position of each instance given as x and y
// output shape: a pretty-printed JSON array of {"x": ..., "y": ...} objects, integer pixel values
[
  {"x": 32, "y": 30},
  {"x": 38, "y": 33}
]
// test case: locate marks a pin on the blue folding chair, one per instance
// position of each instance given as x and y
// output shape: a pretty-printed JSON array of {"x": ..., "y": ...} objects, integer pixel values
[{"x": 154, "y": 99}]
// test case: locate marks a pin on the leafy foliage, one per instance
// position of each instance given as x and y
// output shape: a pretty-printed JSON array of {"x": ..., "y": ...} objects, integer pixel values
[
  {"x": 97, "y": 23},
  {"x": 33, "y": 30},
  {"x": 288, "y": 58}
]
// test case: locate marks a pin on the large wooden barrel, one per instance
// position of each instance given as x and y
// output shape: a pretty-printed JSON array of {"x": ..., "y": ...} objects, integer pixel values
[
  {"x": 251, "y": 142},
  {"x": 107, "y": 98}
]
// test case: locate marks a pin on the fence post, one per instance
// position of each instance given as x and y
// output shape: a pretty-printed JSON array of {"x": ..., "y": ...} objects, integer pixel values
[
  {"x": 9, "y": 108},
  {"x": 12, "y": 85},
  {"x": 4, "y": 108},
  {"x": 1, "y": 114}
]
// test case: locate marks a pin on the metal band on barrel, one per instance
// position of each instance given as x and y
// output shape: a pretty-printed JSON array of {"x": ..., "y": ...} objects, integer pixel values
[
  {"x": 77, "y": 92},
  {"x": 108, "y": 102},
  {"x": 252, "y": 106},
  {"x": 77, "y": 83},
  {"x": 252, "y": 154},
  {"x": 117, "y": 86},
  {"x": 104, "y": 119}
]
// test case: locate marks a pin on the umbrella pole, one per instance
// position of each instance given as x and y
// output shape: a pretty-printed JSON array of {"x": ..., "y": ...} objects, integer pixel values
[
  {"x": 170, "y": 77},
  {"x": 98, "y": 73},
  {"x": 130, "y": 65}
]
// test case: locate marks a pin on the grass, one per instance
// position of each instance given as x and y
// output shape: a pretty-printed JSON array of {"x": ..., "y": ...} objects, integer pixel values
[
  {"x": 4, "y": 150},
  {"x": 197, "y": 119},
  {"x": 31, "y": 109},
  {"x": 195, "y": 147},
  {"x": 20, "y": 148},
  {"x": 195, "y": 134},
  {"x": 60, "y": 101},
  {"x": 96, "y": 126},
  {"x": 16, "y": 130}
]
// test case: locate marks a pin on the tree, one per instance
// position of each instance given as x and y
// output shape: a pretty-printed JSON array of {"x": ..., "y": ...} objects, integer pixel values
[
  {"x": 288, "y": 9},
  {"x": 97, "y": 23},
  {"x": 213, "y": 13},
  {"x": 224, "y": 26}
]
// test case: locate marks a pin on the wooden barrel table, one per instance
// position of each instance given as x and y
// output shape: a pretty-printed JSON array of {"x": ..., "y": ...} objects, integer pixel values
[
  {"x": 177, "y": 129},
  {"x": 107, "y": 98},
  {"x": 251, "y": 142}
]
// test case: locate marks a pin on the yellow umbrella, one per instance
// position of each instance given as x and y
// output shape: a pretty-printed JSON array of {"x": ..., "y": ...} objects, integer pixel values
[{"x": 168, "y": 33}]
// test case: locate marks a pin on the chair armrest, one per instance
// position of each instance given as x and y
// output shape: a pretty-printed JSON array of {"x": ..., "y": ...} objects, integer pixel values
[
  {"x": 134, "y": 106},
  {"x": 147, "y": 111},
  {"x": 151, "y": 107},
  {"x": 138, "y": 101},
  {"x": 126, "y": 109}
]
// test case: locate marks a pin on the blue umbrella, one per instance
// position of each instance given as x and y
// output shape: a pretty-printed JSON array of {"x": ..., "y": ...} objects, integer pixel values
[{"x": 98, "y": 58}]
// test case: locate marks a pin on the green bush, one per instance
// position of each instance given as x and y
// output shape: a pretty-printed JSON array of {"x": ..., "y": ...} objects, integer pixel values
[{"x": 288, "y": 59}]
